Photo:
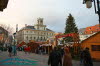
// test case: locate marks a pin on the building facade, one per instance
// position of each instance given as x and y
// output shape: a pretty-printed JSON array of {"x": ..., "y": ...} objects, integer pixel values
[
  {"x": 38, "y": 32},
  {"x": 3, "y": 36}
]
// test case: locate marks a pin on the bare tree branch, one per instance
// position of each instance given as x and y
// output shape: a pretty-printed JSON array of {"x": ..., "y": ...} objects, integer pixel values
[{"x": 7, "y": 27}]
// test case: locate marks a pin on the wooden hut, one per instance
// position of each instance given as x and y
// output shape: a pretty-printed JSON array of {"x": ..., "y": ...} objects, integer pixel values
[
  {"x": 93, "y": 43},
  {"x": 33, "y": 46}
]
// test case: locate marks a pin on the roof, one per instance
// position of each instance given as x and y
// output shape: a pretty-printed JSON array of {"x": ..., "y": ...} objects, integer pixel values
[
  {"x": 28, "y": 27},
  {"x": 92, "y": 29},
  {"x": 91, "y": 36},
  {"x": 32, "y": 28},
  {"x": 48, "y": 29}
]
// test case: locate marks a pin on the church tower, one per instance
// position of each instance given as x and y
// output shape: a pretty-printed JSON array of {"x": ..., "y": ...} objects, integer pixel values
[
  {"x": 40, "y": 25},
  {"x": 40, "y": 21}
]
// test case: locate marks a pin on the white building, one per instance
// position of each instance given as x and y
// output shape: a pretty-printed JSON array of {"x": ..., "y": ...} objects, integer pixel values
[
  {"x": 83, "y": 37},
  {"x": 38, "y": 32}
]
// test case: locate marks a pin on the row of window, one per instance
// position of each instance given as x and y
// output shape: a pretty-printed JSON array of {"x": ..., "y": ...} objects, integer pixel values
[
  {"x": 42, "y": 33},
  {"x": 35, "y": 38},
  {"x": 95, "y": 28}
]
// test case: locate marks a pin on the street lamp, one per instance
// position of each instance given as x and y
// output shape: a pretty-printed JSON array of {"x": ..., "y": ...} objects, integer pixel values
[
  {"x": 96, "y": 6},
  {"x": 14, "y": 37}
]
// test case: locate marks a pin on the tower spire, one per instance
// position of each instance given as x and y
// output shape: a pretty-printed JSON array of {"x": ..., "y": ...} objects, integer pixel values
[{"x": 16, "y": 27}]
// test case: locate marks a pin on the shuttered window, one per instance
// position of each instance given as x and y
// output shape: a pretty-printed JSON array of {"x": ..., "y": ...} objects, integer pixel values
[{"x": 95, "y": 47}]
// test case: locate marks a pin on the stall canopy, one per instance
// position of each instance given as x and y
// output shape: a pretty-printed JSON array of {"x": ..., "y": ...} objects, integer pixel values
[
  {"x": 22, "y": 44},
  {"x": 46, "y": 45}
]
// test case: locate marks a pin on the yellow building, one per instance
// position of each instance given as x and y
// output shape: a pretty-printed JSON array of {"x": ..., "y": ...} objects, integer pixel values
[{"x": 38, "y": 32}]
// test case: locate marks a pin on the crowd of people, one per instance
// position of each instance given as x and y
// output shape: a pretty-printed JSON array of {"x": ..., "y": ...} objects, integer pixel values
[
  {"x": 62, "y": 57},
  {"x": 59, "y": 56},
  {"x": 85, "y": 57}
]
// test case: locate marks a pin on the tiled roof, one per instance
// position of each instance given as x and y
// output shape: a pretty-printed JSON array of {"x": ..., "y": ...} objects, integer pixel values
[
  {"x": 48, "y": 29},
  {"x": 29, "y": 27},
  {"x": 92, "y": 29}
]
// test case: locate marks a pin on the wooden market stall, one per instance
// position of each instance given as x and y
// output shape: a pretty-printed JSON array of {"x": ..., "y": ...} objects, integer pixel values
[
  {"x": 47, "y": 48},
  {"x": 33, "y": 46},
  {"x": 21, "y": 44},
  {"x": 93, "y": 43}
]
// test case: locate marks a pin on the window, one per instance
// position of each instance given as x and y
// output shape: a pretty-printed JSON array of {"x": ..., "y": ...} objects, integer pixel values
[
  {"x": 97, "y": 29},
  {"x": 89, "y": 28},
  {"x": 95, "y": 47},
  {"x": 41, "y": 38},
  {"x": 91, "y": 31},
  {"x": 34, "y": 38},
  {"x": 31, "y": 38},
  {"x": 27, "y": 38},
  {"x": 30, "y": 31},
  {"x": 44, "y": 38}
]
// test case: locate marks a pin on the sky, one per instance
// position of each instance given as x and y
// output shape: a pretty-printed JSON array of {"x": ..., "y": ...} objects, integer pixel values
[{"x": 54, "y": 13}]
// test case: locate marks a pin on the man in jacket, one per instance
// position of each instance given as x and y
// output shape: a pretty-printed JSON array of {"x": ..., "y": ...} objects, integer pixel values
[{"x": 55, "y": 58}]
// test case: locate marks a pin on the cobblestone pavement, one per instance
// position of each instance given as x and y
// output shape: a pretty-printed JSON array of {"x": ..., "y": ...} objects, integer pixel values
[{"x": 29, "y": 60}]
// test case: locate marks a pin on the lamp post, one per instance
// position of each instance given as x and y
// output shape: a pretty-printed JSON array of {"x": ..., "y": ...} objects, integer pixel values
[
  {"x": 14, "y": 37},
  {"x": 96, "y": 6}
]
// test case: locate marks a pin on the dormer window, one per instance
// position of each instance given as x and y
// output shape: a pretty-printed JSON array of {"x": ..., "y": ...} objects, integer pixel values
[
  {"x": 85, "y": 32},
  {"x": 91, "y": 31},
  {"x": 89, "y": 28}
]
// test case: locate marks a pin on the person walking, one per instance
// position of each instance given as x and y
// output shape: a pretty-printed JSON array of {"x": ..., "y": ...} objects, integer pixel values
[
  {"x": 10, "y": 51},
  {"x": 25, "y": 49},
  {"x": 87, "y": 57},
  {"x": 14, "y": 50},
  {"x": 55, "y": 58},
  {"x": 29, "y": 49},
  {"x": 81, "y": 57},
  {"x": 67, "y": 60}
]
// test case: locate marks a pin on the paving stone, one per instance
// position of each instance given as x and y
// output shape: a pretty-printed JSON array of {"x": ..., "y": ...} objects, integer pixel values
[{"x": 29, "y": 60}]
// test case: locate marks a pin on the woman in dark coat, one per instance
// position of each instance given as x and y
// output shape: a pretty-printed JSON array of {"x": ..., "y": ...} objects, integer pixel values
[{"x": 67, "y": 61}]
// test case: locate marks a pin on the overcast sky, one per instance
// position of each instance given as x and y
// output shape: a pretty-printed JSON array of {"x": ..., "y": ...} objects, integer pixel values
[{"x": 54, "y": 13}]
